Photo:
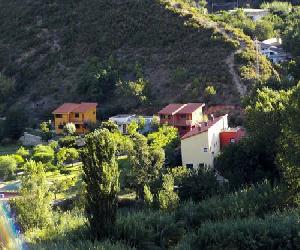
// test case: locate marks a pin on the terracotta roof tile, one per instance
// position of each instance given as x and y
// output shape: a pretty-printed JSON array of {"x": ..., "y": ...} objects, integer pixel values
[
  {"x": 85, "y": 106},
  {"x": 171, "y": 109},
  {"x": 190, "y": 108},
  {"x": 74, "y": 107},
  {"x": 202, "y": 127},
  {"x": 65, "y": 108}
]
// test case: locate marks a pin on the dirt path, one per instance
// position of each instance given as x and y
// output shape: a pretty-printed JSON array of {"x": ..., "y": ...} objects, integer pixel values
[{"x": 241, "y": 88}]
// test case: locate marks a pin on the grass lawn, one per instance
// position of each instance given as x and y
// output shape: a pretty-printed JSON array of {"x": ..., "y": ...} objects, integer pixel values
[{"x": 8, "y": 149}]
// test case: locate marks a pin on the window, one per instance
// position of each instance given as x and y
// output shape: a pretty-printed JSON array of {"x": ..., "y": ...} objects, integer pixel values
[
  {"x": 60, "y": 126},
  {"x": 76, "y": 115},
  {"x": 189, "y": 166},
  {"x": 77, "y": 125},
  {"x": 205, "y": 150},
  {"x": 183, "y": 116},
  {"x": 58, "y": 115},
  {"x": 232, "y": 140}
]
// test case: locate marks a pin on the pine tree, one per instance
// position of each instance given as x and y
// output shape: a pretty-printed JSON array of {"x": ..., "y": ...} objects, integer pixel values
[
  {"x": 101, "y": 175},
  {"x": 288, "y": 157},
  {"x": 168, "y": 199}
]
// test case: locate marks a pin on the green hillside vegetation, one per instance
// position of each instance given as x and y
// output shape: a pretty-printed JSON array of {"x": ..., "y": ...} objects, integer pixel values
[{"x": 127, "y": 55}]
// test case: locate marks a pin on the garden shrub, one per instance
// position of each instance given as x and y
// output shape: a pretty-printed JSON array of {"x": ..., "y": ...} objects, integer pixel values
[
  {"x": 199, "y": 184},
  {"x": 148, "y": 229},
  {"x": 256, "y": 200},
  {"x": 33, "y": 207},
  {"x": 68, "y": 141},
  {"x": 168, "y": 199},
  {"x": 277, "y": 231},
  {"x": 43, "y": 153},
  {"x": 8, "y": 166}
]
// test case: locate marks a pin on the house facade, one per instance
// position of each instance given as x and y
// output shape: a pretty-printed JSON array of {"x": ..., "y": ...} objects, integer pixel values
[
  {"x": 80, "y": 114},
  {"x": 182, "y": 116},
  {"x": 201, "y": 145}
]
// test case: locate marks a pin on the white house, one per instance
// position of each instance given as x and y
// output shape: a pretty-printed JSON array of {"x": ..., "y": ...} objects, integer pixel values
[
  {"x": 272, "y": 49},
  {"x": 200, "y": 146},
  {"x": 124, "y": 120}
]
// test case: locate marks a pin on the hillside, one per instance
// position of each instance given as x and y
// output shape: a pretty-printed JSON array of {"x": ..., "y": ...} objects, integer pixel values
[{"x": 128, "y": 55}]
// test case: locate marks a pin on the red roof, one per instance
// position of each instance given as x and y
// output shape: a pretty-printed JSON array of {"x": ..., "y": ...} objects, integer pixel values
[
  {"x": 202, "y": 127},
  {"x": 85, "y": 106},
  {"x": 190, "y": 108},
  {"x": 171, "y": 109},
  {"x": 74, "y": 107}
]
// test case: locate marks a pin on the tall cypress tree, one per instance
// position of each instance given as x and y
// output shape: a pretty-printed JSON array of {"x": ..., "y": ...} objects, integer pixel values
[{"x": 101, "y": 175}]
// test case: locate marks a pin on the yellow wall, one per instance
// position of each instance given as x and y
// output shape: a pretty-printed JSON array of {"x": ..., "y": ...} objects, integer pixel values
[
  {"x": 60, "y": 121},
  {"x": 89, "y": 116},
  {"x": 192, "y": 148}
]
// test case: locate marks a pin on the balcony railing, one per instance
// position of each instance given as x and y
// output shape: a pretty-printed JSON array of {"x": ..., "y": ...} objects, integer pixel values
[{"x": 177, "y": 122}]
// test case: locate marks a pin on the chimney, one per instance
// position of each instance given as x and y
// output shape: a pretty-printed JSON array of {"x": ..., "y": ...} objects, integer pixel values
[{"x": 212, "y": 117}]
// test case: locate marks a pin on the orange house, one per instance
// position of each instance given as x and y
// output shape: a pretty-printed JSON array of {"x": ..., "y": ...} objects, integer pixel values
[{"x": 78, "y": 113}]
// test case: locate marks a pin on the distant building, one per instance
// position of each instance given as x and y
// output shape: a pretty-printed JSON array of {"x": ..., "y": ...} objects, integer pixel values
[
  {"x": 201, "y": 145},
  {"x": 124, "y": 120},
  {"x": 80, "y": 114},
  {"x": 182, "y": 116},
  {"x": 254, "y": 14},
  {"x": 273, "y": 50}
]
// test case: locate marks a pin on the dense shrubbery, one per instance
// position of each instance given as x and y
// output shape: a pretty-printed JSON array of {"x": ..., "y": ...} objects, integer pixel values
[
  {"x": 199, "y": 185},
  {"x": 14, "y": 125},
  {"x": 8, "y": 166},
  {"x": 68, "y": 231},
  {"x": 261, "y": 29},
  {"x": 68, "y": 141},
  {"x": 253, "y": 201},
  {"x": 33, "y": 209},
  {"x": 276, "y": 231}
]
